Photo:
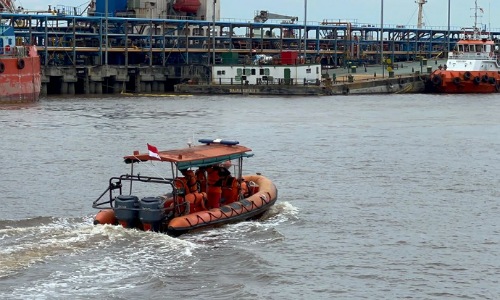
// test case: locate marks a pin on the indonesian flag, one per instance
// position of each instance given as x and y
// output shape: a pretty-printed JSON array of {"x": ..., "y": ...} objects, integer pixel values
[{"x": 153, "y": 152}]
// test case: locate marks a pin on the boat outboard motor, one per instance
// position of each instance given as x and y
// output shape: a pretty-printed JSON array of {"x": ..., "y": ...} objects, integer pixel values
[
  {"x": 151, "y": 212},
  {"x": 126, "y": 210}
]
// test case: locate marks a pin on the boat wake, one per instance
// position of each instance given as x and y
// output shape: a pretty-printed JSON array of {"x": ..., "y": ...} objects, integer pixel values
[
  {"x": 32, "y": 241},
  {"x": 259, "y": 231},
  {"x": 26, "y": 243}
]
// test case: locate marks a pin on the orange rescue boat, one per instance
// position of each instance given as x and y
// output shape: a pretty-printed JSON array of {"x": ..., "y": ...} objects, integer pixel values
[{"x": 201, "y": 191}]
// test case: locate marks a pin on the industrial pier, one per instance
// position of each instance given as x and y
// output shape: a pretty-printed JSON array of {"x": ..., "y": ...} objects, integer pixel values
[{"x": 151, "y": 46}]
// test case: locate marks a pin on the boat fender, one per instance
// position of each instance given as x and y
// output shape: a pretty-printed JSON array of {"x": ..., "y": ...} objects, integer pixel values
[
  {"x": 477, "y": 80},
  {"x": 492, "y": 80},
  {"x": 20, "y": 64},
  {"x": 497, "y": 86},
  {"x": 436, "y": 80},
  {"x": 485, "y": 78},
  {"x": 467, "y": 75},
  {"x": 2, "y": 67},
  {"x": 456, "y": 80}
]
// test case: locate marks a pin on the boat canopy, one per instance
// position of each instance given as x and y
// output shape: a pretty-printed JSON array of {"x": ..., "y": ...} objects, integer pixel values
[{"x": 195, "y": 156}]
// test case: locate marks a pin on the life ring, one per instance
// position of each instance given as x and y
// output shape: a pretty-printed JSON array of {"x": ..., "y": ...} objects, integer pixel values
[
  {"x": 456, "y": 80},
  {"x": 477, "y": 80},
  {"x": 20, "y": 64},
  {"x": 484, "y": 78},
  {"x": 436, "y": 80},
  {"x": 2, "y": 67},
  {"x": 467, "y": 75},
  {"x": 7, "y": 49}
]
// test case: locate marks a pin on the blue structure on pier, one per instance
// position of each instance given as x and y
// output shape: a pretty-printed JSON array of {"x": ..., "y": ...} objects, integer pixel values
[{"x": 78, "y": 40}]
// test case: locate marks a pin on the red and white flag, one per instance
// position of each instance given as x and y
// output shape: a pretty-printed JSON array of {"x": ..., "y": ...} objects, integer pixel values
[{"x": 153, "y": 152}]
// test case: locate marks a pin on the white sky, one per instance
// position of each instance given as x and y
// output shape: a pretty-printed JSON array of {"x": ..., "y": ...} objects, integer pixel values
[{"x": 396, "y": 12}]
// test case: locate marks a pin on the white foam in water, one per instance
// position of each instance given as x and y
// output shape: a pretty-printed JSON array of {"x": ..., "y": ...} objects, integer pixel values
[
  {"x": 25, "y": 246},
  {"x": 88, "y": 254},
  {"x": 279, "y": 213}
]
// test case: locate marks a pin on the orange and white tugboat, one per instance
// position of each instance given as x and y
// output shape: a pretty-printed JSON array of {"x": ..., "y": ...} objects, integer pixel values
[
  {"x": 20, "y": 76},
  {"x": 200, "y": 192},
  {"x": 472, "y": 67}
]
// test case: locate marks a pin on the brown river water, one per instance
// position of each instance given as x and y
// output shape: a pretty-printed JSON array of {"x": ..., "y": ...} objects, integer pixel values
[{"x": 380, "y": 197}]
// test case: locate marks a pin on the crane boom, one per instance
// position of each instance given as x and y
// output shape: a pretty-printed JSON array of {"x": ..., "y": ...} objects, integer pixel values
[{"x": 263, "y": 15}]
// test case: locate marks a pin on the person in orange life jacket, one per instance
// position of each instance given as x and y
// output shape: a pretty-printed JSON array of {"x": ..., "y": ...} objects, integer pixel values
[
  {"x": 214, "y": 189},
  {"x": 194, "y": 197},
  {"x": 185, "y": 185},
  {"x": 201, "y": 177},
  {"x": 229, "y": 184},
  {"x": 190, "y": 181}
]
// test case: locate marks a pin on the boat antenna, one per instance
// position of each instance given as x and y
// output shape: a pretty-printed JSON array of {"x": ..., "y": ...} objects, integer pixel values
[{"x": 190, "y": 141}]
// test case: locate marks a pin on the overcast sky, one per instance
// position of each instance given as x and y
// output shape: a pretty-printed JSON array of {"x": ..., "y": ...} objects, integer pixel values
[{"x": 396, "y": 12}]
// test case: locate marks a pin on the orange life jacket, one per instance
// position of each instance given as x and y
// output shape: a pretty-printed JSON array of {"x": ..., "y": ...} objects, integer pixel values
[
  {"x": 214, "y": 189},
  {"x": 230, "y": 190},
  {"x": 190, "y": 179},
  {"x": 196, "y": 201},
  {"x": 202, "y": 179}
]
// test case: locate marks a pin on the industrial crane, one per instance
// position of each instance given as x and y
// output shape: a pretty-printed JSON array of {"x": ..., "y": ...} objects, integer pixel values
[
  {"x": 264, "y": 15},
  {"x": 420, "y": 12}
]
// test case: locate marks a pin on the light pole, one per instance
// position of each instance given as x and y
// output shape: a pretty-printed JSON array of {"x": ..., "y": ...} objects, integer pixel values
[
  {"x": 382, "y": 35},
  {"x": 305, "y": 29},
  {"x": 449, "y": 14},
  {"x": 106, "y": 36},
  {"x": 213, "y": 33}
]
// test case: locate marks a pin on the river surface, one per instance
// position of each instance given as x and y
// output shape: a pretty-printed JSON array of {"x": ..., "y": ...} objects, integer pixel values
[{"x": 380, "y": 197}]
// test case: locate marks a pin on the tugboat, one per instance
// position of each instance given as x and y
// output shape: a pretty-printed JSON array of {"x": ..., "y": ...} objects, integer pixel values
[
  {"x": 20, "y": 76},
  {"x": 472, "y": 67},
  {"x": 200, "y": 193}
]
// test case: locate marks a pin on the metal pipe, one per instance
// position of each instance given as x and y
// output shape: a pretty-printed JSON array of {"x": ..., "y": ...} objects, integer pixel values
[
  {"x": 449, "y": 14},
  {"x": 382, "y": 36},
  {"x": 106, "y": 37},
  {"x": 213, "y": 35},
  {"x": 305, "y": 29}
]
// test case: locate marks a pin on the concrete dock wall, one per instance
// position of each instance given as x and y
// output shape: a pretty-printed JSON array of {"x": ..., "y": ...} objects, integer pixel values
[{"x": 57, "y": 80}]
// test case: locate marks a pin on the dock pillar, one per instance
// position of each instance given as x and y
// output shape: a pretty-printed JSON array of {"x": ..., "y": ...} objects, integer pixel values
[
  {"x": 64, "y": 88},
  {"x": 117, "y": 87},
  {"x": 71, "y": 88},
  {"x": 86, "y": 85},
  {"x": 43, "y": 90},
  {"x": 98, "y": 87}
]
